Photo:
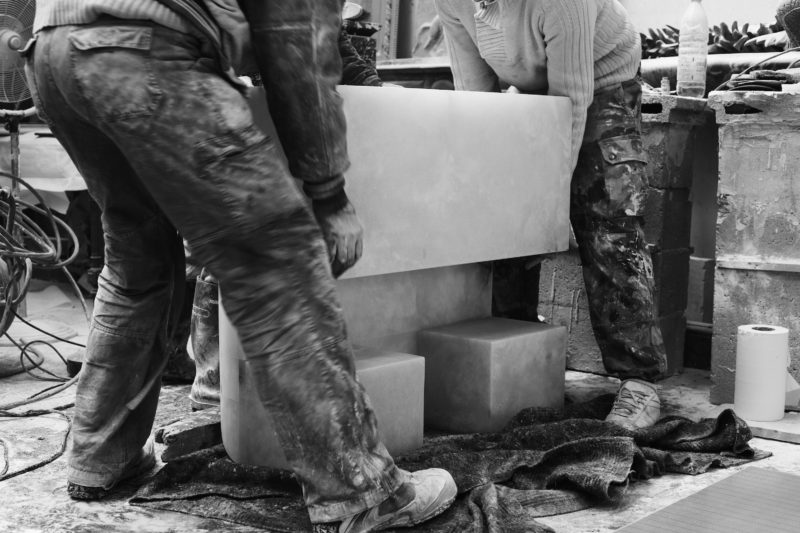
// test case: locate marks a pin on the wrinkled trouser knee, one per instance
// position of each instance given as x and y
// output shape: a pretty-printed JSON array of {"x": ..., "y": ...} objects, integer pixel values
[
  {"x": 607, "y": 199},
  {"x": 177, "y": 149}
]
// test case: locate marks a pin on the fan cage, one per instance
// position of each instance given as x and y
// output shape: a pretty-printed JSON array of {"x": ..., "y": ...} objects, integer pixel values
[{"x": 16, "y": 15}]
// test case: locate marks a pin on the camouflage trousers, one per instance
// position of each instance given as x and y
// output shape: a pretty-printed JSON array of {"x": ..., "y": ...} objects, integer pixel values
[
  {"x": 168, "y": 146},
  {"x": 606, "y": 208}
]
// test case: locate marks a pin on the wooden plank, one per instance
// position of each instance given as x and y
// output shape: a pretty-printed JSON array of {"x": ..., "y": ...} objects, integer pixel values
[
  {"x": 753, "y": 263},
  {"x": 198, "y": 431}
]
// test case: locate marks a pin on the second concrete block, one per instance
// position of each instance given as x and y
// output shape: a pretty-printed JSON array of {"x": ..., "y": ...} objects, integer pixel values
[{"x": 480, "y": 373}]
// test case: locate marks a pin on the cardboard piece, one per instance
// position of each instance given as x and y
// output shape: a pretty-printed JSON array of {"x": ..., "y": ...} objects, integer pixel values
[{"x": 755, "y": 499}]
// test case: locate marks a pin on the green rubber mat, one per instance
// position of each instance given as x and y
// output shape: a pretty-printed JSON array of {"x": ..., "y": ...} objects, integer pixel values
[{"x": 754, "y": 499}]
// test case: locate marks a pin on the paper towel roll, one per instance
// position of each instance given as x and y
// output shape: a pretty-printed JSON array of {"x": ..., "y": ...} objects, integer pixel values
[{"x": 762, "y": 356}]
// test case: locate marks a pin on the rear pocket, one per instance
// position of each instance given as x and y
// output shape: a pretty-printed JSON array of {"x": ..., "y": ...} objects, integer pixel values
[{"x": 113, "y": 68}]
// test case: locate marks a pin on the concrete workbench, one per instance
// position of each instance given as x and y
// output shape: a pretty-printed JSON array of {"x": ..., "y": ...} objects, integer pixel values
[{"x": 757, "y": 277}]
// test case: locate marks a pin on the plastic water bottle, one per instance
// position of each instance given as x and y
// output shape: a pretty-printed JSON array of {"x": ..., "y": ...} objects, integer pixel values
[{"x": 693, "y": 51}]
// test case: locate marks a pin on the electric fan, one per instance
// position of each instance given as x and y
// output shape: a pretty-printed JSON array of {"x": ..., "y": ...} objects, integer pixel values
[{"x": 16, "y": 27}]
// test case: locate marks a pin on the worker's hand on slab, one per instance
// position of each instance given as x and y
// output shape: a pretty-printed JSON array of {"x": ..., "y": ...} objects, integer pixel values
[{"x": 342, "y": 231}]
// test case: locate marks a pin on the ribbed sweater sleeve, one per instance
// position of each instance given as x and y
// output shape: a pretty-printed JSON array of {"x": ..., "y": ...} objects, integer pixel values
[
  {"x": 64, "y": 12},
  {"x": 470, "y": 71},
  {"x": 569, "y": 29}
]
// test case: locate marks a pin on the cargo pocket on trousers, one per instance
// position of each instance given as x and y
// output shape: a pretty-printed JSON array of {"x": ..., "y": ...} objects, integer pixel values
[
  {"x": 235, "y": 163},
  {"x": 624, "y": 173},
  {"x": 114, "y": 70}
]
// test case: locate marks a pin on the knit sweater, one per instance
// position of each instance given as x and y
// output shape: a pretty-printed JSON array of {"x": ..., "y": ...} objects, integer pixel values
[
  {"x": 557, "y": 47},
  {"x": 65, "y": 12}
]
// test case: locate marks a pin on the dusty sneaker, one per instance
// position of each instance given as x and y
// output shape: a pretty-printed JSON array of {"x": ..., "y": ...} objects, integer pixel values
[
  {"x": 425, "y": 494},
  {"x": 637, "y": 405},
  {"x": 142, "y": 464}
]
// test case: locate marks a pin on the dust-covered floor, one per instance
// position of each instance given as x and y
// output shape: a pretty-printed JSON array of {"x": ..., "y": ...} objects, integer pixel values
[{"x": 37, "y": 501}]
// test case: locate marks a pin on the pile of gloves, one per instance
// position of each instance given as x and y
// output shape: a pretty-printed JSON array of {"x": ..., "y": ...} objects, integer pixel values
[{"x": 722, "y": 39}]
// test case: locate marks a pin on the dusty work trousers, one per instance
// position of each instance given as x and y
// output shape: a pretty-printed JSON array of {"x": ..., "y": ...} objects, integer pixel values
[
  {"x": 165, "y": 143},
  {"x": 606, "y": 209}
]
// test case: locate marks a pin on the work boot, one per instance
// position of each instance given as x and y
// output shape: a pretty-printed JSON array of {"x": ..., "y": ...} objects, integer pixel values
[
  {"x": 205, "y": 343},
  {"x": 425, "y": 494},
  {"x": 141, "y": 464},
  {"x": 636, "y": 405}
]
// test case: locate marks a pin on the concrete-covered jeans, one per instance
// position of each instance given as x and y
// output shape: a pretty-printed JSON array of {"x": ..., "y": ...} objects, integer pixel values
[
  {"x": 607, "y": 199},
  {"x": 167, "y": 145}
]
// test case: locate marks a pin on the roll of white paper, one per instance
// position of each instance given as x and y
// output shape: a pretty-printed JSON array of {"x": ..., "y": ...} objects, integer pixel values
[{"x": 762, "y": 357}]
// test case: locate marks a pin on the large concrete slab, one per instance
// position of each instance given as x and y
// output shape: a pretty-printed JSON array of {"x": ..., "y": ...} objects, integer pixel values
[{"x": 446, "y": 178}]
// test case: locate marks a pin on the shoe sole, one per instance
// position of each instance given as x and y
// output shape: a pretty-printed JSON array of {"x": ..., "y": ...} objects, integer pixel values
[{"x": 434, "y": 513}]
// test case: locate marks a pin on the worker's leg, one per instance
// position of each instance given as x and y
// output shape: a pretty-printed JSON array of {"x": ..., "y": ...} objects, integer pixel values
[
  {"x": 608, "y": 193},
  {"x": 119, "y": 383},
  {"x": 191, "y": 140}
]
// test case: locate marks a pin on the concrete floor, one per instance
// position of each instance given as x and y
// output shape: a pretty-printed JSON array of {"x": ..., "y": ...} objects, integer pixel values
[{"x": 37, "y": 501}]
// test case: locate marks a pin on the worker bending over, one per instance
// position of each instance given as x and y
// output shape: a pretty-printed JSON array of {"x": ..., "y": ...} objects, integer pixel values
[
  {"x": 143, "y": 95},
  {"x": 588, "y": 51}
]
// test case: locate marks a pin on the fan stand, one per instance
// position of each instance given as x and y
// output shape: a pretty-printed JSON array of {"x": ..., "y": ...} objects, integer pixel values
[{"x": 10, "y": 361}]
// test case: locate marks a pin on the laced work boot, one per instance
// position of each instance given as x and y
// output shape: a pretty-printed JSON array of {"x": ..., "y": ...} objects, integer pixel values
[
  {"x": 637, "y": 405},
  {"x": 205, "y": 343},
  {"x": 424, "y": 495}
]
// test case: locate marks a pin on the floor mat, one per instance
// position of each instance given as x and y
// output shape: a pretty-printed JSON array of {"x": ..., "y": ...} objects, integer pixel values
[
  {"x": 543, "y": 463},
  {"x": 755, "y": 499}
]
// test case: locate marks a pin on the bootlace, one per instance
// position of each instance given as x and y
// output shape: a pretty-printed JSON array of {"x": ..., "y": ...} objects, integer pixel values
[{"x": 628, "y": 400}]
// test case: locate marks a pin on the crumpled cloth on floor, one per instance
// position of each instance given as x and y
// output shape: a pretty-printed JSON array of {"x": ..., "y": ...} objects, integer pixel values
[{"x": 545, "y": 462}]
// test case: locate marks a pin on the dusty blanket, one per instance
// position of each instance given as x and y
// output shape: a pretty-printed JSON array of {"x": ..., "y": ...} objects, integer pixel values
[{"x": 543, "y": 463}]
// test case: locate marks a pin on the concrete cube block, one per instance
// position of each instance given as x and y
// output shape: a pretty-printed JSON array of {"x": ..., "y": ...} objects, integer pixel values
[
  {"x": 750, "y": 297},
  {"x": 394, "y": 383},
  {"x": 480, "y": 373},
  {"x": 671, "y": 276},
  {"x": 668, "y": 218}
]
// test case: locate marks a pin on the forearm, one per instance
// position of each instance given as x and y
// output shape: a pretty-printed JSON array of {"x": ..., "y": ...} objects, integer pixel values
[
  {"x": 570, "y": 65},
  {"x": 296, "y": 48},
  {"x": 470, "y": 71}
]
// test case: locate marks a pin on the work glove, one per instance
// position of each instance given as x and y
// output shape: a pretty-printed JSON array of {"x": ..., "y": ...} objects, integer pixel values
[{"x": 341, "y": 229}]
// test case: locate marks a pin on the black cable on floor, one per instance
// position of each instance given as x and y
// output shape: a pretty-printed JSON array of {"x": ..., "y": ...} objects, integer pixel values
[
  {"x": 23, "y": 245},
  {"x": 27, "y": 414}
]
